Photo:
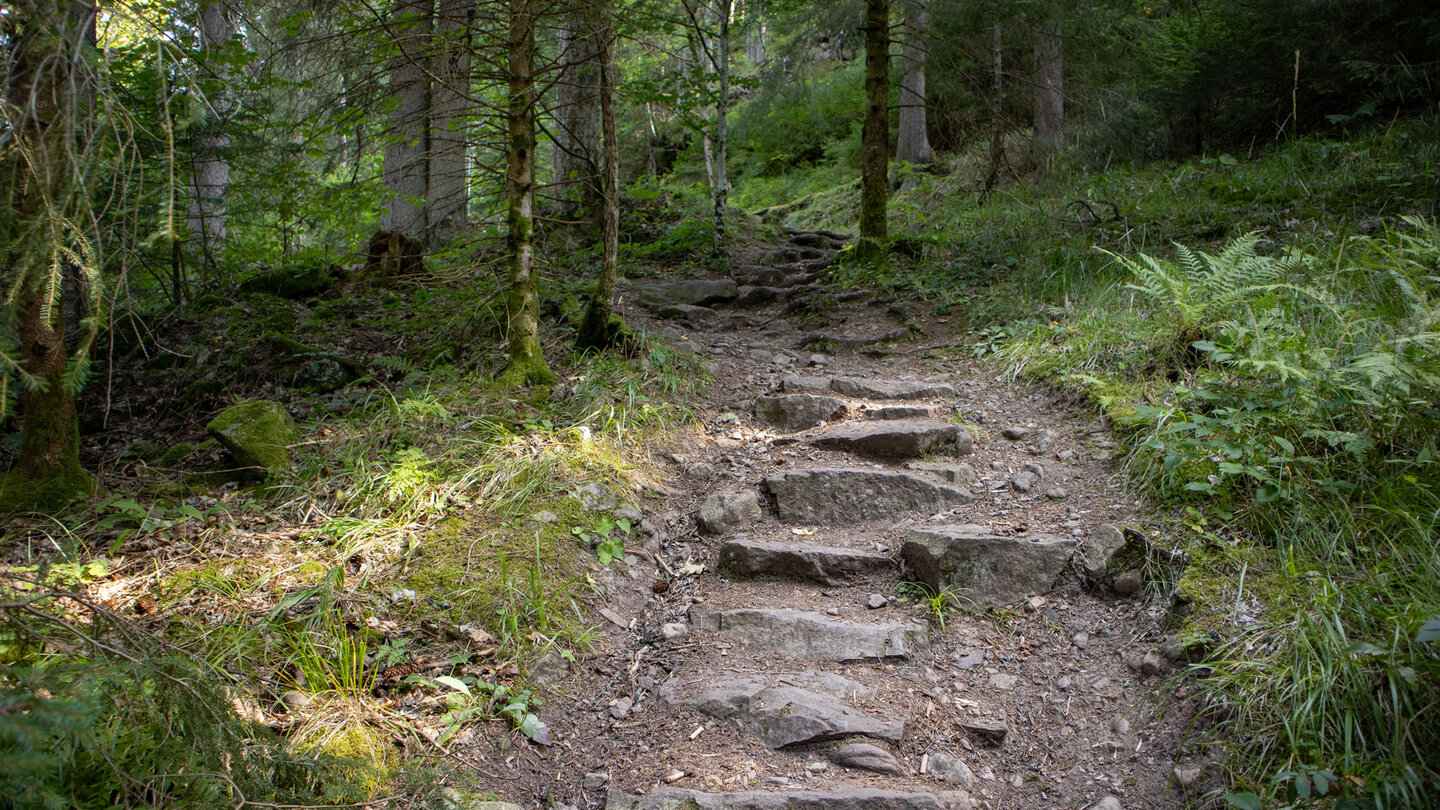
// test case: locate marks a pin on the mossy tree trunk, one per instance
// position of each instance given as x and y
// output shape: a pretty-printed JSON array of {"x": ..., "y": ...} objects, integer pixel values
[
  {"x": 603, "y": 328},
  {"x": 50, "y": 97},
  {"x": 722, "y": 128},
  {"x": 872, "y": 246},
  {"x": 450, "y": 107},
  {"x": 527, "y": 362}
]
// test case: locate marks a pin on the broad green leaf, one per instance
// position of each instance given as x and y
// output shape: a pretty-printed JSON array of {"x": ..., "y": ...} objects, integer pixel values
[
  {"x": 1243, "y": 801},
  {"x": 453, "y": 682}
]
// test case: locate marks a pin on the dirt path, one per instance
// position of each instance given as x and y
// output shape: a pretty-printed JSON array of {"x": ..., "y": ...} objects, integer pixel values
[{"x": 795, "y": 670}]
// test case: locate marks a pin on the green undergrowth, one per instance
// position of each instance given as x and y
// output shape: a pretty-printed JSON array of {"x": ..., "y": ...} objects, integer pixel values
[
  {"x": 1282, "y": 400},
  {"x": 1262, "y": 330},
  {"x": 429, "y": 514}
]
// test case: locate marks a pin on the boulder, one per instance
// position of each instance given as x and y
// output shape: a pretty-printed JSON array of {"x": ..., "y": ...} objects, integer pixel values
[
  {"x": 794, "y": 711},
  {"x": 257, "y": 433},
  {"x": 888, "y": 439},
  {"x": 696, "y": 292},
  {"x": 813, "y": 635},
  {"x": 866, "y": 757},
  {"x": 809, "y": 561}
]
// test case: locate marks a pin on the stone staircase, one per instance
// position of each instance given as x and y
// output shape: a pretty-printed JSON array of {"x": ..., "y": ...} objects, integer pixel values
[{"x": 796, "y": 654}]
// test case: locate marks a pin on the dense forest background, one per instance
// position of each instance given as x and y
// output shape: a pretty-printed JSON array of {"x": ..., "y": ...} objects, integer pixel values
[{"x": 407, "y": 222}]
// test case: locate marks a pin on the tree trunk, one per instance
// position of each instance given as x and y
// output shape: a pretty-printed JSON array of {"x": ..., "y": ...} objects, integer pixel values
[
  {"x": 50, "y": 85},
  {"x": 1049, "y": 110},
  {"x": 912, "y": 142},
  {"x": 576, "y": 175},
  {"x": 871, "y": 247},
  {"x": 447, "y": 196},
  {"x": 527, "y": 362},
  {"x": 755, "y": 32},
  {"x": 997, "y": 100},
  {"x": 405, "y": 173},
  {"x": 722, "y": 112},
  {"x": 210, "y": 178},
  {"x": 602, "y": 327}
]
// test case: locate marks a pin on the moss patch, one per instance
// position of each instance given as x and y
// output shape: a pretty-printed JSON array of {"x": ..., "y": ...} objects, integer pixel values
[{"x": 257, "y": 433}]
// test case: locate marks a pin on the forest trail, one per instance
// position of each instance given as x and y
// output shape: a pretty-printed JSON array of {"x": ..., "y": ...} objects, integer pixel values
[{"x": 773, "y": 659}]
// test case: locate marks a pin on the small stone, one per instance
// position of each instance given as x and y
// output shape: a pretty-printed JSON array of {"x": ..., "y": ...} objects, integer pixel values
[
  {"x": 595, "y": 497},
  {"x": 952, "y": 770},
  {"x": 1064, "y": 455},
  {"x": 596, "y": 780},
  {"x": 1185, "y": 778},
  {"x": 1081, "y": 640},
  {"x": 1024, "y": 481},
  {"x": 1056, "y": 494},
  {"x": 818, "y": 767},
  {"x": 988, "y": 731},
  {"x": 968, "y": 659},
  {"x": 1152, "y": 664},
  {"x": 621, "y": 708},
  {"x": 543, "y": 517},
  {"x": 955, "y": 800},
  {"x": 965, "y": 443},
  {"x": 726, "y": 511},
  {"x": 818, "y": 360},
  {"x": 630, "y": 512},
  {"x": 866, "y": 757},
  {"x": 1128, "y": 583},
  {"x": 1063, "y": 684},
  {"x": 1000, "y": 680},
  {"x": 548, "y": 669},
  {"x": 1015, "y": 434},
  {"x": 1120, "y": 725},
  {"x": 1043, "y": 439},
  {"x": 876, "y": 601},
  {"x": 832, "y": 611},
  {"x": 674, "y": 630},
  {"x": 295, "y": 699},
  {"x": 1035, "y": 469},
  {"x": 1107, "y": 803}
]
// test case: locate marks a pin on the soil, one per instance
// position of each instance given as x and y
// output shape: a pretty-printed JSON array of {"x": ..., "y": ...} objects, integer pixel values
[{"x": 1062, "y": 672}]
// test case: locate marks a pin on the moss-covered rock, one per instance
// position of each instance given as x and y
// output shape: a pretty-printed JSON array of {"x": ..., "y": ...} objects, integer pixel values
[
  {"x": 290, "y": 281},
  {"x": 174, "y": 455},
  {"x": 308, "y": 367},
  {"x": 257, "y": 433}
]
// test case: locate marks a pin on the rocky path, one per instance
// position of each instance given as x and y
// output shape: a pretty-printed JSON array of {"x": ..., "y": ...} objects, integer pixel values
[{"x": 790, "y": 662}]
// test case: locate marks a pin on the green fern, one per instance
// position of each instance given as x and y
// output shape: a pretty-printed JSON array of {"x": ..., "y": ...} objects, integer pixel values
[{"x": 1200, "y": 290}]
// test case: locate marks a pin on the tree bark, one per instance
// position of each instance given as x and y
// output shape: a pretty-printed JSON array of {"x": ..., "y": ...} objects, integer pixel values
[
  {"x": 447, "y": 197},
  {"x": 49, "y": 92},
  {"x": 210, "y": 177},
  {"x": 912, "y": 142},
  {"x": 603, "y": 328},
  {"x": 997, "y": 100},
  {"x": 755, "y": 32},
  {"x": 576, "y": 174},
  {"x": 722, "y": 112},
  {"x": 405, "y": 173},
  {"x": 527, "y": 362},
  {"x": 872, "y": 246},
  {"x": 1049, "y": 103}
]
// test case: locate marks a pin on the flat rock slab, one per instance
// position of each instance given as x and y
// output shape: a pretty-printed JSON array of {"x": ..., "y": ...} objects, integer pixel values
[
  {"x": 888, "y": 439},
  {"x": 842, "y": 497},
  {"x": 984, "y": 569},
  {"x": 866, "y": 389},
  {"x": 882, "y": 389},
  {"x": 686, "y": 312},
  {"x": 813, "y": 635},
  {"x": 782, "y": 714},
  {"x": 696, "y": 292},
  {"x": 903, "y": 412},
  {"x": 795, "y": 412},
  {"x": 808, "y": 561},
  {"x": 846, "y": 798}
]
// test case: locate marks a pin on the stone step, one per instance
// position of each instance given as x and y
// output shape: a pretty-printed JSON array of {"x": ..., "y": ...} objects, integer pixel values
[
  {"x": 842, "y": 798},
  {"x": 784, "y": 710},
  {"x": 840, "y": 496},
  {"x": 826, "y": 565},
  {"x": 983, "y": 569},
  {"x": 858, "y": 388},
  {"x": 695, "y": 292},
  {"x": 905, "y": 412},
  {"x": 906, "y": 438},
  {"x": 814, "y": 636},
  {"x": 796, "y": 412}
]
